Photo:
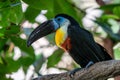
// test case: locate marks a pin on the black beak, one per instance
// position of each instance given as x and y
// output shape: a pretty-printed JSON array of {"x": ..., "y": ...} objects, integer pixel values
[{"x": 42, "y": 30}]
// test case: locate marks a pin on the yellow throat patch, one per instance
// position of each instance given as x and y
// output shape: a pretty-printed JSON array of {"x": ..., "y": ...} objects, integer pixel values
[{"x": 61, "y": 35}]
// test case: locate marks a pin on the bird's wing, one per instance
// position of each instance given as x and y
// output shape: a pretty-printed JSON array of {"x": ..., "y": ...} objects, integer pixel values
[
  {"x": 107, "y": 56},
  {"x": 83, "y": 41}
]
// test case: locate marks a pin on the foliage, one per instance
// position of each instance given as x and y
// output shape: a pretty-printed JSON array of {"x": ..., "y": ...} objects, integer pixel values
[{"x": 12, "y": 16}]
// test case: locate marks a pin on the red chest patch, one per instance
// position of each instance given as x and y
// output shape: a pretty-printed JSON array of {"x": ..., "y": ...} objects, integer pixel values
[{"x": 67, "y": 44}]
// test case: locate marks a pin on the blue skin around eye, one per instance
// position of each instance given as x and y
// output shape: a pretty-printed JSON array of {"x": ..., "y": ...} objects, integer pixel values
[
  {"x": 61, "y": 21},
  {"x": 58, "y": 23}
]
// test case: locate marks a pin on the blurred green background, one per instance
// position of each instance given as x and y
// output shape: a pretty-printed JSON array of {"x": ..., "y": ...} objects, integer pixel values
[{"x": 19, "y": 17}]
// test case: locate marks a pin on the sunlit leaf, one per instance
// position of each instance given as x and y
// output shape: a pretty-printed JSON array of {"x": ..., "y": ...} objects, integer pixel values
[
  {"x": 1, "y": 35},
  {"x": 116, "y": 11},
  {"x": 117, "y": 53},
  {"x": 109, "y": 16},
  {"x": 16, "y": 14},
  {"x": 109, "y": 6}
]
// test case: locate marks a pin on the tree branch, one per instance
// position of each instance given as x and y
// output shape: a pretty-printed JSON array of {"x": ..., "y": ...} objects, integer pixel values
[{"x": 99, "y": 71}]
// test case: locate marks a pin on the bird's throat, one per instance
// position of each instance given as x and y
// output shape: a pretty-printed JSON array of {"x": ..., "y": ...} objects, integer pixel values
[
  {"x": 60, "y": 37},
  {"x": 62, "y": 40}
]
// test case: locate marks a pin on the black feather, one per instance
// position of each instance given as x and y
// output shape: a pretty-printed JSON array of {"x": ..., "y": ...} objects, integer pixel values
[{"x": 84, "y": 48}]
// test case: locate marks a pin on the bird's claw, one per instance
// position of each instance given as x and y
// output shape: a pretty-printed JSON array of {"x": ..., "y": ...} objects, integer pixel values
[
  {"x": 89, "y": 64},
  {"x": 71, "y": 73}
]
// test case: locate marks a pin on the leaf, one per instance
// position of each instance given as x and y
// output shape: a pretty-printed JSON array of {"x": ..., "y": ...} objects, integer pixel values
[
  {"x": 13, "y": 29},
  {"x": 117, "y": 53},
  {"x": 1, "y": 34},
  {"x": 109, "y": 6},
  {"x": 34, "y": 13},
  {"x": 29, "y": 57},
  {"x": 40, "y": 4},
  {"x": 4, "y": 18},
  {"x": 10, "y": 11},
  {"x": 114, "y": 25},
  {"x": 108, "y": 30},
  {"x": 54, "y": 58},
  {"x": 108, "y": 16},
  {"x": 2, "y": 43},
  {"x": 10, "y": 65},
  {"x": 116, "y": 11},
  {"x": 16, "y": 14}
]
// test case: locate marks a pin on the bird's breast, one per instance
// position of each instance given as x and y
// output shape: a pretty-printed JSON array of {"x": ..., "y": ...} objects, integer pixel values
[
  {"x": 67, "y": 44},
  {"x": 62, "y": 40}
]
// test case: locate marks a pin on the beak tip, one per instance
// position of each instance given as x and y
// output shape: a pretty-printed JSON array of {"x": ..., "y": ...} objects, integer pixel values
[{"x": 28, "y": 43}]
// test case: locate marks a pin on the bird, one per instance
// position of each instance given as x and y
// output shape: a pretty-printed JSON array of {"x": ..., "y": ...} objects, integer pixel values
[{"x": 72, "y": 38}]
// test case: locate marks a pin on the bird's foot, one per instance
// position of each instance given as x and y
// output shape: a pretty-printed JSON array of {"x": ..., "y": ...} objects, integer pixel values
[
  {"x": 71, "y": 73},
  {"x": 89, "y": 64}
]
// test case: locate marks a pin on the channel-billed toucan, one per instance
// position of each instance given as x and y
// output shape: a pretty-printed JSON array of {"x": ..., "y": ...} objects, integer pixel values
[{"x": 78, "y": 42}]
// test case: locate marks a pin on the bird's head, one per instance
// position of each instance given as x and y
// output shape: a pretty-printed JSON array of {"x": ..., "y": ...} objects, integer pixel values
[{"x": 59, "y": 24}]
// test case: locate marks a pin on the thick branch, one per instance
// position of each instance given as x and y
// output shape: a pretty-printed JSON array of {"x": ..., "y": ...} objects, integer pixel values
[{"x": 99, "y": 71}]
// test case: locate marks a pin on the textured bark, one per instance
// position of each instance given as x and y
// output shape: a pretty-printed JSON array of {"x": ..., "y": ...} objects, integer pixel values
[{"x": 99, "y": 71}]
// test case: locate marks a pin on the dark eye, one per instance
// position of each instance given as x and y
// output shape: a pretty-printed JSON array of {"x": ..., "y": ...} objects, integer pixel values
[{"x": 59, "y": 19}]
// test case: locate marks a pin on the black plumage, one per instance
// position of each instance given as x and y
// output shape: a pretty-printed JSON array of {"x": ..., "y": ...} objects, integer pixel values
[{"x": 84, "y": 49}]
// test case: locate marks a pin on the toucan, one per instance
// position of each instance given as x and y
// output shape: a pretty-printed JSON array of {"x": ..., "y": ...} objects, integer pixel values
[{"x": 69, "y": 36}]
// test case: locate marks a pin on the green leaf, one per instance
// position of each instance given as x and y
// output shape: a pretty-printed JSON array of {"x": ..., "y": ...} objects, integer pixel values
[
  {"x": 10, "y": 11},
  {"x": 16, "y": 14},
  {"x": 40, "y": 4},
  {"x": 4, "y": 18},
  {"x": 108, "y": 16},
  {"x": 116, "y": 11},
  {"x": 117, "y": 53},
  {"x": 54, "y": 58},
  {"x": 1, "y": 34},
  {"x": 9, "y": 66},
  {"x": 29, "y": 57},
  {"x": 13, "y": 29},
  {"x": 2, "y": 43},
  {"x": 34, "y": 12},
  {"x": 109, "y": 6},
  {"x": 12, "y": 65},
  {"x": 108, "y": 30},
  {"x": 114, "y": 25}
]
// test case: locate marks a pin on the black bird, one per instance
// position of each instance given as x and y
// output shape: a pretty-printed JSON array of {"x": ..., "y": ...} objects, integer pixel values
[{"x": 78, "y": 42}]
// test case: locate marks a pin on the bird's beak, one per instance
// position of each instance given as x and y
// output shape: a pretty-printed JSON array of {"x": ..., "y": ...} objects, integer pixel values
[{"x": 42, "y": 30}]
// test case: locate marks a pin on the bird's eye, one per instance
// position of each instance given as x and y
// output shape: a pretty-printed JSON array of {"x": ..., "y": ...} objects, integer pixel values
[{"x": 59, "y": 19}]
